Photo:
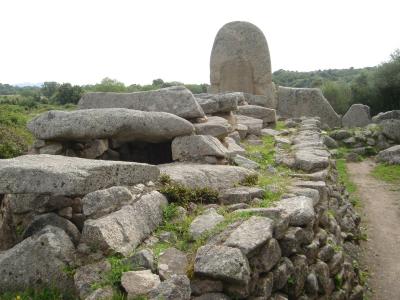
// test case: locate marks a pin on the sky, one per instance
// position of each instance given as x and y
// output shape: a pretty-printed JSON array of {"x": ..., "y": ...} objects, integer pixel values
[{"x": 83, "y": 41}]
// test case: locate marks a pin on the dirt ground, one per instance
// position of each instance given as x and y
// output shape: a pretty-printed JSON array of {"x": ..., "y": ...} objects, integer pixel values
[{"x": 381, "y": 215}]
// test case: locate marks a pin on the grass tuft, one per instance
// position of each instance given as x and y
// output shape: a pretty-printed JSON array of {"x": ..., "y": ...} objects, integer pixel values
[{"x": 388, "y": 173}]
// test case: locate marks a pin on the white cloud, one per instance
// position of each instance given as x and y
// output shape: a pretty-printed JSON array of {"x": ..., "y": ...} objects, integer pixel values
[{"x": 82, "y": 41}]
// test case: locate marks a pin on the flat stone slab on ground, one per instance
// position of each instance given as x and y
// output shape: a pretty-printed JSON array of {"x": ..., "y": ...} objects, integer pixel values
[
  {"x": 120, "y": 124},
  {"x": 62, "y": 175},
  {"x": 176, "y": 100}
]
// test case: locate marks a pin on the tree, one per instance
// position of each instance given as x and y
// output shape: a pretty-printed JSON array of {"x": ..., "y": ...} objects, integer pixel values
[
  {"x": 109, "y": 85},
  {"x": 67, "y": 93},
  {"x": 338, "y": 95},
  {"x": 49, "y": 88}
]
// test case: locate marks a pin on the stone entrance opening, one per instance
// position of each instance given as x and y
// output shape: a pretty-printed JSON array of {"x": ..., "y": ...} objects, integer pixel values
[{"x": 142, "y": 152}]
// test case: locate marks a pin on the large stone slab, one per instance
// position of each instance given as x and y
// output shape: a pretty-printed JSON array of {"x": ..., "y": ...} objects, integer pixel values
[
  {"x": 307, "y": 102},
  {"x": 219, "y": 103},
  {"x": 358, "y": 115},
  {"x": 204, "y": 175},
  {"x": 122, "y": 231},
  {"x": 38, "y": 261},
  {"x": 176, "y": 100},
  {"x": 120, "y": 124},
  {"x": 61, "y": 175},
  {"x": 309, "y": 159}
]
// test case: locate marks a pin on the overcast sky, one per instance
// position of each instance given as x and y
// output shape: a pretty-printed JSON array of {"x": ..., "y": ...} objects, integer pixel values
[{"x": 83, "y": 41}]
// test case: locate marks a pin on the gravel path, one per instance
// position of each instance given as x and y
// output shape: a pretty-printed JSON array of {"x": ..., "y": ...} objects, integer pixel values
[{"x": 381, "y": 215}]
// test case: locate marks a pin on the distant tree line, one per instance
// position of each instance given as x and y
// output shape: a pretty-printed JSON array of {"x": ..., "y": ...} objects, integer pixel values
[
  {"x": 378, "y": 87},
  {"x": 54, "y": 92}
]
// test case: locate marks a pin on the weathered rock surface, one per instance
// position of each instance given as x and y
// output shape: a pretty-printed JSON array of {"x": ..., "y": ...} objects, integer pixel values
[
  {"x": 268, "y": 256},
  {"x": 172, "y": 262},
  {"x": 99, "y": 203},
  {"x": 390, "y": 155},
  {"x": 176, "y": 100},
  {"x": 298, "y": 102},
  {"x": 123, "y": 230},
  {"x": 38, "y": 261},
  {"x": 61, "y": 175},
  {"x": 54, "y": 220},
  {"x": 221, "y": 262},
  {"x": 358, "y": 115},
  {"x": 215, "y": 126},
  {"x": 240, "y": 61},
  {"x": 196, "y": 147},
  {"x": 387, "y": 115},
  {"x": 251, "y": 234},
  {"x": 233, "y": 147},
  {"x": 246, "y": 163},
  {"x": 311, "y": 159},
  {"x": 219, "y": 103},
  {"x": 391, "y": 129},
  {"x": 139, "y": 283},
  {"x": 204, "y": 222},
  {"x": 300, "y": 210},
  {"x": 175, "y": 288},
  {"x": 268, "y": 115},
  {"x": 142, "y": 259},
  {"x": 118, "y": 123},
  {"x": 253, "y": 125},
  {"x": 241, "y": 194},
  {"x": 86, "y": 276},
  {"x": 203, "y": 175}
]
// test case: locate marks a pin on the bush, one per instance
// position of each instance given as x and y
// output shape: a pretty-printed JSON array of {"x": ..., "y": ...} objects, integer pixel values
[
  {"x": 178, "y": 193},
  {"x": 14, "y": 141}
]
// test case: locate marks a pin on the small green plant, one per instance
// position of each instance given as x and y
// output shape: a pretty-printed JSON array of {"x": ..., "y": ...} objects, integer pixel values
[
  {"x": 182, "y": 195},
  {"x": 165, "y": 179},
  {"x": 280, "y": 125},
  {"x": 338, "y": 281},
  {"x": 69, "y": 270},
  {"x": 118, "y": 267},
  {"x": 290, "y": 281},
  {"x": 250, "y": 180}
]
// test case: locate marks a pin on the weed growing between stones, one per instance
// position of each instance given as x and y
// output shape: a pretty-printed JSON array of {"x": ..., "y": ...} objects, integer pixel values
[
  {"x": 271, "y": 177},
  {"x": 178, "y": 193},
  {"x": 280, "y": 125},
  {"x": 388, "y": 173},
  {"x": 37, "y": 294}
]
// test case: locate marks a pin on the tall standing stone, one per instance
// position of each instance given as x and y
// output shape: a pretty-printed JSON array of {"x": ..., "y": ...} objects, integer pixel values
[{"x": 240, "y": 61}]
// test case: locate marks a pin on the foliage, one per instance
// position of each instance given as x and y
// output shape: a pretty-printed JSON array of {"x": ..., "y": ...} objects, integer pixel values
[
  {"x": 15, "y": 139},
  {"x": 182, "y": 195},
  {"x": 67, "y": 93},
  {"x": 118, "y": 267},
  {"x": 388, "y": 173},
  {"x": 338, "y": 94}
]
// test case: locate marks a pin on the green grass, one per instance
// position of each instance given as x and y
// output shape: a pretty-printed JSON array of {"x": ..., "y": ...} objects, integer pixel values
[
  {"x": 280, "y": 125},
  {"x": 388, "y": 173},
  {"x": 346, "y": 181},
  {"x": 36, "y": 294}
]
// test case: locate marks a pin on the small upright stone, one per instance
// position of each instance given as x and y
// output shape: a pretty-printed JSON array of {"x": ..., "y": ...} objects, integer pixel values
[{"x": 358, "y": 115}]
